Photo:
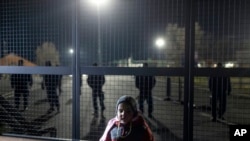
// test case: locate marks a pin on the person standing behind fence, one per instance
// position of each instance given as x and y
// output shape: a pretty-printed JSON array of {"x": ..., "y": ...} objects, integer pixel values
[
  {"x": 145, "y": 84},
  {"x": 21, "y": 83},
  {"x": 96, "y": 82},
  {"x": 60, "y": 83},
  {"x": 220, "y": 87},
  {"x": 51, "y": 83}
]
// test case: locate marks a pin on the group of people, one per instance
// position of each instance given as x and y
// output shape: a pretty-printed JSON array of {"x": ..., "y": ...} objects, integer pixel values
[
  {"x": 128, "y": 118},
  {"x": 21, "y": 83},
  {"x": 145, "y": 84},
  {"x": 128, "y": 123}
]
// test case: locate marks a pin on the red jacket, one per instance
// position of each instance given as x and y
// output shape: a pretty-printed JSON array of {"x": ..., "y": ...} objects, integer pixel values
[{"x": 143, "y": 134}]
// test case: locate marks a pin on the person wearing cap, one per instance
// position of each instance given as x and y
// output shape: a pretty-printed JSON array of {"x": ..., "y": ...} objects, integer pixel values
[{"x": 128, "y": 124}]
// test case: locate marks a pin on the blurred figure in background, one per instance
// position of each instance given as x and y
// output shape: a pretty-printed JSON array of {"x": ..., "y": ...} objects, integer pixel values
[
  {"x": 60, "y": 83},
  {"x": 21, "y": 84},
  {"x": 145, "y": 84},
  {"x": 220, "y": 87},
  {"x": 51, "y": 82},
  {"x": 96, "y": 82}
]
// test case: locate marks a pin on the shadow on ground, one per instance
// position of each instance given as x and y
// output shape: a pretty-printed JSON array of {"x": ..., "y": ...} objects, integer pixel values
[
  {"x": 164, "y": 133},
  {"x": 96, "y": 129}
]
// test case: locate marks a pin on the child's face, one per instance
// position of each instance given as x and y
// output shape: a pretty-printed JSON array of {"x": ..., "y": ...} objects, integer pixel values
[{"x": 124, "y": 113}]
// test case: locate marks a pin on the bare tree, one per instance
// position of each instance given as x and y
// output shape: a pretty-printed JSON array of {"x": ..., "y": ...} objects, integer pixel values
[{"x": 47, "y": 52}]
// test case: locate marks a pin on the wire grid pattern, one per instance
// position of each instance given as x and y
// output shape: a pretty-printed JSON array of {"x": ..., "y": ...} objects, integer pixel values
[
  {"x": 167, "y": 119},
  {"x": 222, "y": 32},
  {"x": 236, "y": 111},
  {"x": 123, "y": 34},
  {"x": 33, "y": 118},
  {"x": 36, "y": 31}
]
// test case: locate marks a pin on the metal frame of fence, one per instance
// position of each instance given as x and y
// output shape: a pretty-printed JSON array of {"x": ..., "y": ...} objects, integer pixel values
[{"x": 188, "y": 71}]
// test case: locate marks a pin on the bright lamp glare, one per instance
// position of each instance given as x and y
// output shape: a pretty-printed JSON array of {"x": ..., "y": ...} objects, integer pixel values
[
  {"x": 71, "y": 51},
  {"x": 229, "y": 65},
  {"x": 99, "y": 2},
  {"x": 160, "y": 42}
]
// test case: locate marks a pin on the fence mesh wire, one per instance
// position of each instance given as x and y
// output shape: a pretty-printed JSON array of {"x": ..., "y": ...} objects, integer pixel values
[{"x": 120, "y": 36}]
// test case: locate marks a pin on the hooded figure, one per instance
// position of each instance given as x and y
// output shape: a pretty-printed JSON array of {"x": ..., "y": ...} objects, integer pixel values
[{"x": 128, "y": 124}]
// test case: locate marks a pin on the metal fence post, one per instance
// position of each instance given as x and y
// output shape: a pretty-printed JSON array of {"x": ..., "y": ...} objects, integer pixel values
[
  {"x": 168, "y": 89},
  {"x": 179, "y": 91}
]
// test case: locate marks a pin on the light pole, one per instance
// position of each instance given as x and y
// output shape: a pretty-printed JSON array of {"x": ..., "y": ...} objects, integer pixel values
[
  {"x": 98, "y": 4},
  {"x": 99, "y": 37},
  {"x": 160, "y": 43}
]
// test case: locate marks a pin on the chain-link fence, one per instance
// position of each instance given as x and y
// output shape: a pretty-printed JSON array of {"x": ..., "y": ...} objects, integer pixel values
[{"x": 80, "y": 56}]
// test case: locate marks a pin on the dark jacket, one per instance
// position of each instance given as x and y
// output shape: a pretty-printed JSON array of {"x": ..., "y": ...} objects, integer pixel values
[
  {"x": 21, "y": 81},
  {"x": 219, "y": 85},
  {"x": 96, "y": 81},
  {"x": 51, "y": 81},
  {"x": 145, "y": 83}
]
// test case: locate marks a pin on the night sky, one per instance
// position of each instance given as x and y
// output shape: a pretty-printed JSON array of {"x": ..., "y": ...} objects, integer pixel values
[
  {"x": 128, "y": 27},
  {"x": 224, "y": 17}
]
